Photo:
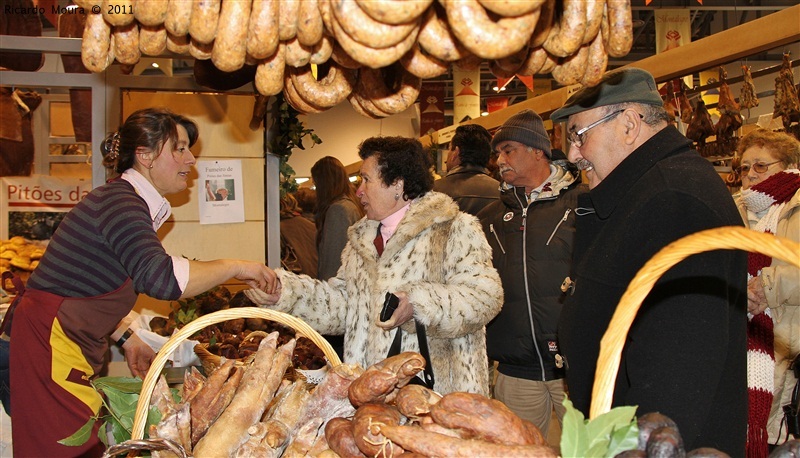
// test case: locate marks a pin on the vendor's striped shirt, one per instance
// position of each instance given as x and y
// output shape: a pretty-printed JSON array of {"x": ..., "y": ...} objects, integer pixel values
[{"x": 106, "y": 238}]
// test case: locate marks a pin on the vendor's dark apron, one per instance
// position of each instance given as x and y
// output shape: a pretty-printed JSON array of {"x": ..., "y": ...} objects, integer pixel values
[{"x": 58, "y": 344}]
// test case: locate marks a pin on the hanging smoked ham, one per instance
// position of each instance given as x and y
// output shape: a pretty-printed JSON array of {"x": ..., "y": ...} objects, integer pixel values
[
  {"x": 685, "y": 105},
  {"x": 21, "y": 24},
  {"x": 787, "y": 105},
  {"x": 16, "y": 134},
  {"x": 748, "y": 97},
  {"x": 671, "y": 101},
  {"x": 730, "y": 119},
  {"x": 701, "y": 127}
]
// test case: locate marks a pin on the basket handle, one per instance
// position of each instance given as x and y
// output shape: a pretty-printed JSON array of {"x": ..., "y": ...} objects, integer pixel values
[
  {"x": 728, "y": 238},
  {"x": 149, "y": 383},
  {"x": 146, "y": 445}
]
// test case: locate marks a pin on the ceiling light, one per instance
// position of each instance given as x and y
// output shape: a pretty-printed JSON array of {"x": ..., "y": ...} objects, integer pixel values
[
  {"x": 485, "y": 113},
  {"x": 154, "y": 65}
]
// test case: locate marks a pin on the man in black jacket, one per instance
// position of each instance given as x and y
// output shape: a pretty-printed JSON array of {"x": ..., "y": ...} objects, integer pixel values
[
  {"x": 531, "y": 231},
  {"x": 685, "y": 353},
  {"x": 468, "y": 181}
]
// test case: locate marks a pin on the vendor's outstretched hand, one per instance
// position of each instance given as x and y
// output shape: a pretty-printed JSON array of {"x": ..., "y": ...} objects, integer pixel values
[
  {"x": 258, "y": 276},
  {"x": 138, "y": 355}
]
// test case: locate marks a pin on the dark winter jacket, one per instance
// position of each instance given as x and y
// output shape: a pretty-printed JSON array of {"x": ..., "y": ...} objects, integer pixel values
[
  {"x": 685, "y": 352},
  {"x": 470, "y": 186},
  {"x": 532, "y": 252}
]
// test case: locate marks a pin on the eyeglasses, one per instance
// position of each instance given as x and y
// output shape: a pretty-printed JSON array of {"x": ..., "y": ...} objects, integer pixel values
[
  {"x": 759, "y": 167},
  {"x": 577, "y": 138}
]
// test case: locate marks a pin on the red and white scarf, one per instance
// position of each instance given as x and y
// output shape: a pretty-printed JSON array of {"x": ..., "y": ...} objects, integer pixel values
[{"x": 765, "y": 200}]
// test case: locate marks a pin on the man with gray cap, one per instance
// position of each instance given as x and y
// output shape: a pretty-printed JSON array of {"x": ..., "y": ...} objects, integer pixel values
[
  {"x": 531, "y": 231},
  {"x": 685, "y": 354}
]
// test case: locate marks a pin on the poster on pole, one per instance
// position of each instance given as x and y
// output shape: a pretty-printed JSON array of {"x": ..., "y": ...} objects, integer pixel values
[
  {"x": 466, "y": 94},
  {"x": 673, "y": 30},
  {"x": 221, "y": 192}
]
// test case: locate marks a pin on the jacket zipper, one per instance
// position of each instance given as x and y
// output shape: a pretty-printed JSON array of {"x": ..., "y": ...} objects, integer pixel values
[
  {"x": 566, "y": 214},
  {"x": 524, "y": 229},
  {"x": 496, "y": 237}
]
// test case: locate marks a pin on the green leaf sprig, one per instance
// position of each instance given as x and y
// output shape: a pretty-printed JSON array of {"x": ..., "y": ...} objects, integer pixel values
[
  {"x": 605, "y": 436},
  {"x": 120, "y": 395}
]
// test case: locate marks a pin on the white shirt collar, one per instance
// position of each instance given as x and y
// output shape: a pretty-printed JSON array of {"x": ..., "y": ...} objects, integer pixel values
[{"x": 160, "y": 208}]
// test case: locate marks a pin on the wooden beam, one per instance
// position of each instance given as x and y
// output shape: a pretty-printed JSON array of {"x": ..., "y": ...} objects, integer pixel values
[{"x": 771, "y": 31}]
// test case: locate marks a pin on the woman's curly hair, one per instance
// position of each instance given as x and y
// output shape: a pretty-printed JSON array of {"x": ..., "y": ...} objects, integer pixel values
[{"x": 401, "y": 158}]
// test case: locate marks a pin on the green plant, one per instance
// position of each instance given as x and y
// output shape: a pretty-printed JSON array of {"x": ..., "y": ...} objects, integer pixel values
[
  {"x": 288, "y": 133},
  {"x": 605, "y": 436},
  {"x": 433, "y": 149},
  {"x": 120, "y": 396}
]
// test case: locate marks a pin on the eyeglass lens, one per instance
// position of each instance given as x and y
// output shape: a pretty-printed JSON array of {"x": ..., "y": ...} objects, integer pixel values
[
  {"x": 759, "y": 167},
  {"x": 577, "y": 137}
]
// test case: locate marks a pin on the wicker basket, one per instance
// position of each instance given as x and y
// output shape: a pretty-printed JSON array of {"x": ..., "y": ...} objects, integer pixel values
[
  {"x": 149, "y": 383},
  {"x": 729, "y": 238}
]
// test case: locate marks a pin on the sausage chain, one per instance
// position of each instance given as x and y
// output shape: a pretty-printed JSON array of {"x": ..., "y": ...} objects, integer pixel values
[{"x": 363, "y": 43}]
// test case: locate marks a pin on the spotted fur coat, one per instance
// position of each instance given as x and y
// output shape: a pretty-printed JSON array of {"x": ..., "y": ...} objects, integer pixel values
[{"x": 440, "y": 258}]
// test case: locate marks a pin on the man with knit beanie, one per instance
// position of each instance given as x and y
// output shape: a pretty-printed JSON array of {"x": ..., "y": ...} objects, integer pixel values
[
  {"x": 685, "y": 355},
  {"x": 531, "y": 231}
]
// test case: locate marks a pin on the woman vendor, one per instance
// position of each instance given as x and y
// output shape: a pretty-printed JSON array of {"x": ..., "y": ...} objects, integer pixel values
[{"x": 104, "y": 253}]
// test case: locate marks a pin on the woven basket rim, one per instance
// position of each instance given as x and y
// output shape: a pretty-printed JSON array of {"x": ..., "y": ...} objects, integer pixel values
[
  {"x": 148, "y": 385},
  {"x": 720, "y": 238}
]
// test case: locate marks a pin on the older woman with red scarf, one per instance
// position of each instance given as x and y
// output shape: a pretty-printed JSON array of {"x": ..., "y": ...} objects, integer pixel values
[{"x": 770, "y": 202}]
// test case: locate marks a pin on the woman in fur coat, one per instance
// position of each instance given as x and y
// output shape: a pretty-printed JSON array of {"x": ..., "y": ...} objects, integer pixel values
[{"x": 416, "y": 244}]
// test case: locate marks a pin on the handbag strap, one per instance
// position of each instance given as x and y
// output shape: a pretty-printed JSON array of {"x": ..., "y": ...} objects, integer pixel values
[
  {"x": 394, "y": 349},
  {"x": 423, "y": 350}
]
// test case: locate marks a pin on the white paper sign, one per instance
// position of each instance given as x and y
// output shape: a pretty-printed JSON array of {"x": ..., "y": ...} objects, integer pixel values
[{"x": 221, "y": 192}]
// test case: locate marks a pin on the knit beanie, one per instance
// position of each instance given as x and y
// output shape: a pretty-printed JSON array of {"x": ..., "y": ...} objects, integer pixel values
[{"x": 525, "y": 127}]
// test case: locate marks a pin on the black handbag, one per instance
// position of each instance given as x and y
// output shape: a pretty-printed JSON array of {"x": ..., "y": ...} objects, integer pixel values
[{"x": 394, "y": 349}]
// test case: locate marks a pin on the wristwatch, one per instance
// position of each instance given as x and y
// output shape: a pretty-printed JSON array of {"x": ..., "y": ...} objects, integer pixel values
[{"x": 124, "y": 338}]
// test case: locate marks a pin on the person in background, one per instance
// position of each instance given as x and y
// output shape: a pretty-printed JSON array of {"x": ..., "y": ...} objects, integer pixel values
[
  {"x": 307, "y": 200},
  {"x": 468, "y": 181},
  {"x": 416, "y": 244},
  {"x": 298, "y": 239},
  {"x": 102, "y": 256},
  {"x": 338, "y": 208},
  {"x": 770, "y": 202},
  {"x": 685, "y": 353},
  {"x": 531, "y": 230}
]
